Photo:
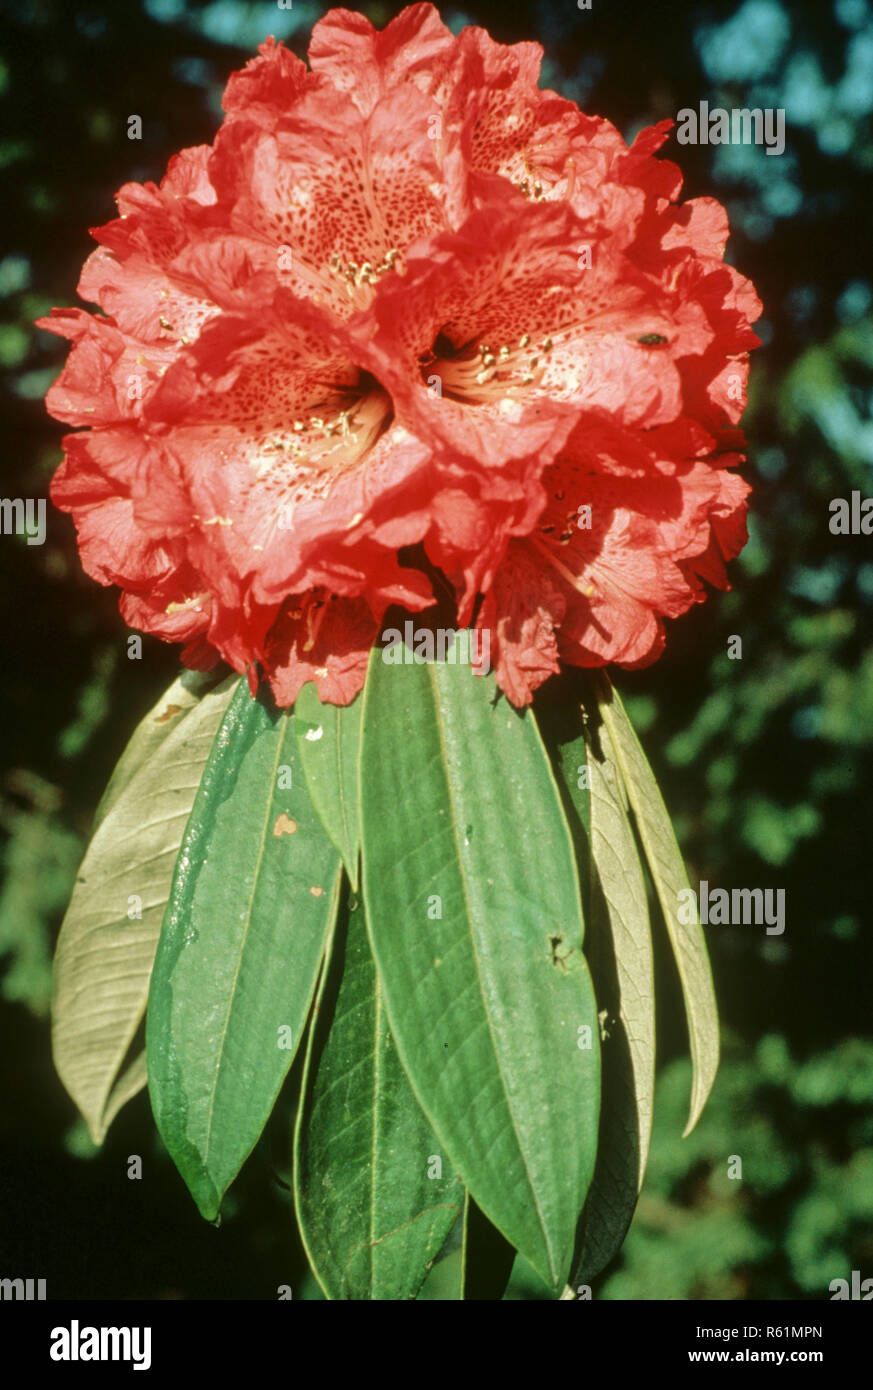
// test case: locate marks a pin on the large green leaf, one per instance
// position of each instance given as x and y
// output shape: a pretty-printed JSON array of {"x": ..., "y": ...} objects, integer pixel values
[
  {"x": 670, "y": 879},
  {"x": 376, "y": 1195},
  {"x": 328, "y": 740},
  {"x": 254, "y": 895},
  {"x": 473, "y": 909},
  {"x": 620, "y": 954},
  {"x": 105, "y": 950}
]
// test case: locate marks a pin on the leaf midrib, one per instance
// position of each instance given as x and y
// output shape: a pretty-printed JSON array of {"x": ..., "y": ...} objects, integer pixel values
[
  {"x": 268, "y": 806},
  {"x": 442, "y": 735}
]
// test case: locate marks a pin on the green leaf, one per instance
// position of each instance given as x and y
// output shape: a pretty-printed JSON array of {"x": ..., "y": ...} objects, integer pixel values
[
  {"x": 104, "y": 957},
  {"x": 329, "y": 739},
  {"x": 621, "y": 959},
  {"x": 183, "y": 695},
  {"x": 254, "y": 895},
  {"x": 473, "y": 909},
  {"x": 376, "y": 1196},
  {"x": 670, "y": 879}
]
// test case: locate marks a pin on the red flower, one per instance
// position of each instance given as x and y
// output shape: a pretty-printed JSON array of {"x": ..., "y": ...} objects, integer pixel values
[{"x": 406, "y": 299}]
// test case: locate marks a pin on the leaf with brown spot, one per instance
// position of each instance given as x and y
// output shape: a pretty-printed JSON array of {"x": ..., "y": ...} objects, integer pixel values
[
  {"x": 240, "y": 950},
  {"x": 168, "y": 714},
  {"x": 284, "y": 826},
  {"x": 459, "y": 806},
  {"x": 176, "y": 703},
  {"x": 328, "y": 741}
]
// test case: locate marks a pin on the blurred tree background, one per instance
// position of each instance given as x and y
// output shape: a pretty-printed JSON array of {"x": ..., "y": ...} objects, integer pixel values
[{"x": 765, "y": 761}]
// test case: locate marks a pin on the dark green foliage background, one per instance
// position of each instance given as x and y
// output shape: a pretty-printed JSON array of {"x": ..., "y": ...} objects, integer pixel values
[{"x": 764, "y": 762}]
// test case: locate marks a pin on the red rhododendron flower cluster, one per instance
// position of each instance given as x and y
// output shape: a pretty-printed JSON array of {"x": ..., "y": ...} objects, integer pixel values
[{"x": 408, "y": 313}]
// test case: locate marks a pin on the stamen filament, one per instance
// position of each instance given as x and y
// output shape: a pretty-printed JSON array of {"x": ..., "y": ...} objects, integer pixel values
[{"x": 567, "y": 574}]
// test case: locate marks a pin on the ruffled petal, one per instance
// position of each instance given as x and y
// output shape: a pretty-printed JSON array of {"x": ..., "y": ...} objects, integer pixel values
[{"x": 410, "y": 323}]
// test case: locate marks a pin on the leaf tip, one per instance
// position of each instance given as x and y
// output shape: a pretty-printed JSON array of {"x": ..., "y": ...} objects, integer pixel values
[
  {"x": 699, "y": 1096},
  {"x": 97, "y": 1130}
]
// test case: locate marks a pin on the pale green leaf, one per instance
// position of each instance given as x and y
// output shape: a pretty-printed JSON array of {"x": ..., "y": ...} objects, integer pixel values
[
  {"x": 185, "y": 694},
  {"x": 105, "y": 951},
  {"x": 670, "y": 878}
]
